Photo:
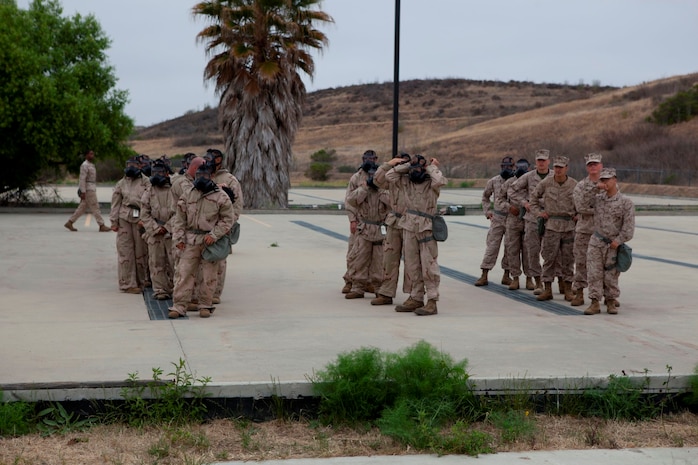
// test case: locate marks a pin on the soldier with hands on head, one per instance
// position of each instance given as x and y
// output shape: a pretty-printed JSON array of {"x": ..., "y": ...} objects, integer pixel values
[
  {"x": 614, "y": 225},
  {"x": 420, "y": 248},
  {"x": 392, "y": 245}
]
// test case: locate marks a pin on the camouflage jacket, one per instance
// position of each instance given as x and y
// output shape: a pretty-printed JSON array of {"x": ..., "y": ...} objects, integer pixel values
[
  {"x": 199, "y": 214},
  {"x": 126, "y": 199},
  {"x": 398, "y": 203},
  {"x": 584, "y": 198},
  {"x": 492, "y": 191},
  {"x": 357, "y": 179},
  {"x": 371, "y": 207},
  {"x": 88, "y": 177},
  {"x": 558, "y": 201},
  {"x": 614, "y": 219},
  {"x": 420, "y": 198},
  {"x": 523, "y": 188},
  {"x": 156, "y": 211}
]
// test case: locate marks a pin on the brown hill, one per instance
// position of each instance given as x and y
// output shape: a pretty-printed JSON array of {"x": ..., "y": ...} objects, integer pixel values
[{"x": 469, "y": 125}]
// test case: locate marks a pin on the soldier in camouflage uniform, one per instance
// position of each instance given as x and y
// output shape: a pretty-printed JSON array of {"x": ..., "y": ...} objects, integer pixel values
[
  {"x": 584, "y": 194},
  {"x": 371, "y": 205},
  {"x": 156, "y": 217},
  {"x": 614, "y": 224},
  {"x": 552, "y": 200},
  {"x": 421, "y": 250},
  {"x": 498, "y": 218},
  {"x": 87, "y": 190},
  {"x": 517, "y": 258},
  {"x": 368, "y": 159},
  {"x": 204, "y": 215},
  {"x": 392, "y": 244},
  {"x": 231, "y": 186},
  {"x": 124, "y": 216},
  {"x": 523, "y": 188}
]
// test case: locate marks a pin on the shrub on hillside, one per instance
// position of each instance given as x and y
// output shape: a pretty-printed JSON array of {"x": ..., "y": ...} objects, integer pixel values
[{"x": 681, "y": 107}]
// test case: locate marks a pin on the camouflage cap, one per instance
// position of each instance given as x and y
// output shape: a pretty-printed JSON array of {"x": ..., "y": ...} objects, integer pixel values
[
  {"x": 542, "y": 154},
  {"x": 560, "y": 161},
  {"x": 593, "y": 158},
  {"x": 608, "y": 173}
]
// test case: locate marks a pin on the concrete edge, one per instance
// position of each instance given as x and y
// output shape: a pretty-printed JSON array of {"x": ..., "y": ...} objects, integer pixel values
[{"x": 58, "y": 392}]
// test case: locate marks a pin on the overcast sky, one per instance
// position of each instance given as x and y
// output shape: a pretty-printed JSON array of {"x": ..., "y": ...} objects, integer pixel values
[{"x": 610, "y": 42}]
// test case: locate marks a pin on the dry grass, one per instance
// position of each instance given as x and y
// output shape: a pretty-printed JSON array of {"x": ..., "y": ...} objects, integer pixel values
[
  {"x": 469, "y": 125},
  {"x": 241, "y": 440}
]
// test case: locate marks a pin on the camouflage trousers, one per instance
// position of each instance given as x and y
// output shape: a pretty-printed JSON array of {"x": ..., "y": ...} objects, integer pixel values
[
  {"x": 160, "y": 264},
  {"x": 421, "y": 265},
  {"x": 532, "y": 245},
  {"x": 558, "y": 258},
  {"x": 88, "y": 205},
  {"x": 392, "y": 255},
  {"x": 220, "y": 279},
  {"x": 366, "y": 260},
  {"x": 581, "y": 244},
  {"x": 602, "y": 282},
  {"x": 131, "y": 252},
  {"x": 514, "y": 246},
  {"x": 347, "y": 275},
  {"x": 190, "y": 263},
  {"x": 494, "y": 242}
]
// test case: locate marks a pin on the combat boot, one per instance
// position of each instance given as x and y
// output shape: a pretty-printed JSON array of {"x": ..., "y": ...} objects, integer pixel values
[
  {"x": 611, "y": 306},
  {"x": 428, "y": 309},
  {"x": 354, "y": 295},
  {"x": 410, "y": 305},
  {"x": 104, "y": 228},
  {"x": 569, "y": 293},
  {"x": 529, "y": 283},
  {"x": 539, "y": 286},
  {"x": 204, "y": 313},
  {"x": 506, "y": 279},
  {"x": 594, "y": 308},
  {"x": 483, "y": 279},
  {"x": 560, "y": 286},
  {"x": 69, "y": 225},
  {"x": 547, "y": 293},
  {"x": 578, "y": 297},
  {"x": 382, "y": 300},
  {"x": 347, "y": 288},
  {"x": 514, "y": 284}
]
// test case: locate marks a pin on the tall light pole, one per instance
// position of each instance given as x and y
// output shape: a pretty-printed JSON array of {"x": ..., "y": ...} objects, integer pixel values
[{"x": 396, "y": 76}]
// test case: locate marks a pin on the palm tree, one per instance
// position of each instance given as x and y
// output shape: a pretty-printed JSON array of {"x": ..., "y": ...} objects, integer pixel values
[{"x": 257, "y": 49}]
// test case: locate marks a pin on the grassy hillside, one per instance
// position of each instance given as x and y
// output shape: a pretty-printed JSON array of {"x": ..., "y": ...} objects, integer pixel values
[{"x": 469, "y": 125}]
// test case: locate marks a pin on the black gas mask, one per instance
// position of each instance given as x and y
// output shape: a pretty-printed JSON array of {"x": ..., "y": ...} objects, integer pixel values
[
  {"x": 371, "y": 172},
  {"x": 159, "y": 177},
  {"x": 521, "y": 168},
  {"x": 132, "y": 169},
  {"x": 203, "y": 181},
  {"x": 418, "y": 171}
]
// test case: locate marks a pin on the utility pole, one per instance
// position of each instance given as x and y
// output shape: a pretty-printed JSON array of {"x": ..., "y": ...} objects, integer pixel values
[{"x": 396, "y": 77}]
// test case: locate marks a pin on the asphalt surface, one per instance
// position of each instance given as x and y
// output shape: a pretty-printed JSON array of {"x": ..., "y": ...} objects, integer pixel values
[{"x": 67, "y": 333}]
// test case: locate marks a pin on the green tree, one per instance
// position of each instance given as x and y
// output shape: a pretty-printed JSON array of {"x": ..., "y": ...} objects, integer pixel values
[
  {"x": 257, "y": 49},
  {"x": 679, "y": 108},
  {"x": 56, "y": 93}
]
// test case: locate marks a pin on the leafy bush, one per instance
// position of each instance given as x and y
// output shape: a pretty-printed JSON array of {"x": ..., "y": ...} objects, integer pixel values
[
  {"x": 15, "y": 418},
  {"x": 318, "y": 171},
  {"x": 681, "y": 107}
]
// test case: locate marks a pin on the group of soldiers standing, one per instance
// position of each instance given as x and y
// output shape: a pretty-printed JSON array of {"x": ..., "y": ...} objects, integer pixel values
[
  {"x": 391, "y": 208},
  {"x": 575, "y": 227},
  {"x": 164, "y": 221}
]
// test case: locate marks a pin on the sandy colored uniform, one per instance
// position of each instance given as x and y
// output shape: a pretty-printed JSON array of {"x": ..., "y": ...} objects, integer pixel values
[
  {"x": 199, "y": 214},
  {"x": 131, "y": 249},
  {"x": 421, "y": 250},
  {"x": 514, "y": 246},
  {"x": 495, "y": 234},
  {"x": 156, "y": 213},
  {"x": 392, "y": 244},
  {"x": 181, "y": 183},
  {"x": 366, "y": 257},
  {"x": 226, "y": 178},
  {"x": 614, "y": 219},
  {"x": 523, "y": 188},
  {"x": 88, "y": 185},
  {"x": 357, "y": 179},
  {"x": 558, "y": 240},
  {"x": 584, "y": 198}
]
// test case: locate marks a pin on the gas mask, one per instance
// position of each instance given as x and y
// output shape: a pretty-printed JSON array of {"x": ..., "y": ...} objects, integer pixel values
[
  {"x": 132, "y": 171},
  {"x": 506, "y": 172},
  {"x": 418, "y": 173}
]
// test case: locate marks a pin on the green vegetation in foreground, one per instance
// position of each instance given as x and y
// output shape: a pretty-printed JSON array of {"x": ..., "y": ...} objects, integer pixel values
[{"x": 419, "y": 397}]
